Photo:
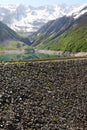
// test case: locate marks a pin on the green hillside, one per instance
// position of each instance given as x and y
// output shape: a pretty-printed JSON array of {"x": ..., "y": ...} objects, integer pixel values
[
  {"x": 7, "y": 33},
  {"x": 10, "y": 40},
  {"x": 74, "y": 40},
  {"x": 13, "y": 45}
]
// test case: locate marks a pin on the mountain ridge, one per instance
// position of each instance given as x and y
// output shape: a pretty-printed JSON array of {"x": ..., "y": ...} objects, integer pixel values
[
  {"x": 7, "y": 33},
  {"x": 66, "y": 40},
  {"x": 29, "y": 19},
  {"x": 10, "y": 40}
]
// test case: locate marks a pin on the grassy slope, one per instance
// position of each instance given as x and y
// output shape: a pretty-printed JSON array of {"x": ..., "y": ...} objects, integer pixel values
[
  {"x": 74, "y": 40},
  {"x": 7, "y": 33},
  {"x": 10, "y": 40},
  {"x": 14, "y": 45}
]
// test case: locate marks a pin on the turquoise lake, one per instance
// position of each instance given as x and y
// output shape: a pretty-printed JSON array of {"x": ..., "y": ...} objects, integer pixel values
[{"x": 31, "y": 56}]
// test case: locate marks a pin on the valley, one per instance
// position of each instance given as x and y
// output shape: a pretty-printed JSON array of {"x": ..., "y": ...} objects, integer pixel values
[
  {"x": 63, "y": 35},
  {"x": 43, "y": 67}
]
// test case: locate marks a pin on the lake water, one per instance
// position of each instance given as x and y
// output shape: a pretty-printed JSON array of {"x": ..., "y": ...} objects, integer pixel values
[{"x": 31, "y": 56}]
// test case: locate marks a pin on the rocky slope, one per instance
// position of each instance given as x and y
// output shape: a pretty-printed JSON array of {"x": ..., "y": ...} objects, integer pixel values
[{"x": 43, "y": 95}]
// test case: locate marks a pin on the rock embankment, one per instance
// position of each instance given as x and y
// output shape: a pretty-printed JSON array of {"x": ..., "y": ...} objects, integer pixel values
[
  {"x": 62, "y": 53},
  {"x": 44, "y": 95}
]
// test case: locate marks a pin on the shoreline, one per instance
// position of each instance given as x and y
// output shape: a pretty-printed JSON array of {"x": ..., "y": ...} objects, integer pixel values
[
  {"x": 49, "y": 52},
  {"x": 63, "y": 53},
  {"x": 13, "y": 52}
]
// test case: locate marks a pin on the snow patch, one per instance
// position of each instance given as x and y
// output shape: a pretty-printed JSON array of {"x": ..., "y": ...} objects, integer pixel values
[{"x": 77, "y": 12}]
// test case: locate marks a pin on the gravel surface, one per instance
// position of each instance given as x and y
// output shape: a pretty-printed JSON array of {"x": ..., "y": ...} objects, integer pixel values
[{"x": 43, "y": 95}]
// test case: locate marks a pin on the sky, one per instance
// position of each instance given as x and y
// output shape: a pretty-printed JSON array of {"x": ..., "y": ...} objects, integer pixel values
[{"x": 42, "y": 2}]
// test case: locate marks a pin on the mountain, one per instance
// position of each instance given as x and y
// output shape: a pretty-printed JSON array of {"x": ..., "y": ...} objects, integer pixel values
[
  {"x": 10, "y": 40},
  {"x": 6, "y": 33},
  {"x": 52, "y": 29},
  {"x": 29, "y": 19},
  {"x": 68, "y": 33}
]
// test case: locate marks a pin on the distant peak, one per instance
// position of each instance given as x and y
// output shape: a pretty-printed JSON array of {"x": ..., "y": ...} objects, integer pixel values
[{"x": 77, "y": 12}]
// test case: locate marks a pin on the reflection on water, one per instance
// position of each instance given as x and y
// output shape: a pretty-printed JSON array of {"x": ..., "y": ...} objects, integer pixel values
[{"x": 31, "y": 56}]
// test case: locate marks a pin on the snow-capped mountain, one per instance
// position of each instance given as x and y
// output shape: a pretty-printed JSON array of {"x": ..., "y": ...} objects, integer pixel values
[
  {"x": 30, "y": 19},
  {"x": 77, "y": 12},
  {"x": 55, "y": 28}
]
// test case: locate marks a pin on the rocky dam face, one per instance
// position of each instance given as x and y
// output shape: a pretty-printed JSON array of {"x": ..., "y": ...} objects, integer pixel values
[{"x": 43, "y": 95}]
